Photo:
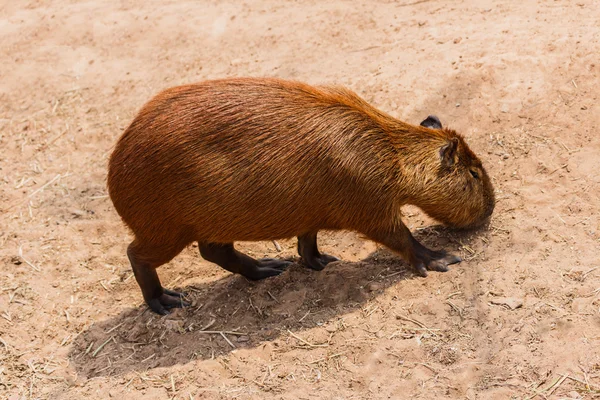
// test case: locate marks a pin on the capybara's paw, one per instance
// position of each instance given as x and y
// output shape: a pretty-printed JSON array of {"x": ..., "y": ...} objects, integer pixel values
[
  {"x": 274, "y": 263},
  {"x": 174, "y": 293},
  {"x": 439, "y": 263},
  {"x": 169, "y": 299},
  {"x": 326, "y": 258},
  {"x": 267, "y": 267},
  {"x": 318, "y": 263}
]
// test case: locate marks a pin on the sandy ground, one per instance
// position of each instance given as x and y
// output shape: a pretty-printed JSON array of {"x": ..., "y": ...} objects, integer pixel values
[{"x": 519, "y": 318}]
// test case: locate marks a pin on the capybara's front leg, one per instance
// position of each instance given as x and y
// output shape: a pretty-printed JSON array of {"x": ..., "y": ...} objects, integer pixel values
[
  {"x": 420, "y": 257},
  {"x": 311, "y": 256},
  {"x": 144, "y": 260}
]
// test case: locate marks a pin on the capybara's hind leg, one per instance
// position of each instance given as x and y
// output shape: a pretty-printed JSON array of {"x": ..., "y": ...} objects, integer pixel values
[
  {"x": 144, "y": 260},
  {"x": 420, "y": 257},
  {"x": 308, "y": 250},
  {"x": 224, "y": 255}
]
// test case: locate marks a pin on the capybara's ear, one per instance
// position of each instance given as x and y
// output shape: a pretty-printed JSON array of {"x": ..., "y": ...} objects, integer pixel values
[
  {"x": 432, "y": 122},
  {"x": 448, "y": 153}
]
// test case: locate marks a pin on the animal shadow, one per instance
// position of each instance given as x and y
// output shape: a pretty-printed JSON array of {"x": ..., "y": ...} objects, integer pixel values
[{"x": 232, "y": 313}]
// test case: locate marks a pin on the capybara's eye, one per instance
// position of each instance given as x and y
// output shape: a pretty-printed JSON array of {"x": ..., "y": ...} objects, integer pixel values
[{"x": 474, "y": 174}]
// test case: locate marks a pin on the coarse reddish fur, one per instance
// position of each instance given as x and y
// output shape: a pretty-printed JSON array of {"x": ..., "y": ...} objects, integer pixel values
[{"x": 256, "y": 159}]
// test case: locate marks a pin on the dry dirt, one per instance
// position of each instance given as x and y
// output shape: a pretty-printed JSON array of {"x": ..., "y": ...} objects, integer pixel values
[{"x": 519, "y": 318}]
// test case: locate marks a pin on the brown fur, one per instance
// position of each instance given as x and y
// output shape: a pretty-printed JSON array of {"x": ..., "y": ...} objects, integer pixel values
[{"x": 258, "y": 159}]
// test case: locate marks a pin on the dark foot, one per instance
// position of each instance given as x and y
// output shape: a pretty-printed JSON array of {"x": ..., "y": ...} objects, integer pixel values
[
  {"x": 319, "y": 262},
  {"x": 174, "y": 293},
  {"x": 227, "y": 257},
  {"x": 169, "y": 299},
  {"x": 265, "y": 268},
  {"x": 420, "y": 257},
  {"x": 311, "y": 256},
  {"x": 434, "y": 261}
]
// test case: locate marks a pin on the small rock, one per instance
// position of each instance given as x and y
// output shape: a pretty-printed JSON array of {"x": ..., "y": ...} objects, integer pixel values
[
  {"x": 373, "y": 286},
  {"x": 77, "y": 213},
  {"x": 16, "y": 260},
  {"x": 243, "y": 339}
]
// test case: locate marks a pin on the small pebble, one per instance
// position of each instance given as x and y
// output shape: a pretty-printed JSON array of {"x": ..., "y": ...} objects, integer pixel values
[{"x": 374, "y": 286}]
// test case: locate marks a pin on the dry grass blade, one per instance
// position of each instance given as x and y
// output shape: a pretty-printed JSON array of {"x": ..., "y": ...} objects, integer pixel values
[
  {"x": 114, "y": 328},
  {"x": 414, "y": 321},
  {"x": 210, "y": 323},
  {"x": 101, "y": 346},
  {"x": 305, "y": 342},
  {"x": 273, "y": 297},
  {"x": 27, "y": 261},
  {"x": 148, "y": 358},
  {"x": 588, "y": 386},
  {"x": 55, "y": 138},
  {"x": 455, "y": 308},
  {"x": 89, "y": 348},
  {"x": 550, "y": 389},
  {"x": 305, "y": 315},
  {"x": 227, "y": 340},
  {"x": 51, "y": 181},
  {"x": 6, "y": 346},
  {"x": 227, "y": 332},
  {"x": 328, "y": 357}
]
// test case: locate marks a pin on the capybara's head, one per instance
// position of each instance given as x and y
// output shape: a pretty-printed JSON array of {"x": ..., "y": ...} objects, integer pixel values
[{"x": 458, "y": 190}]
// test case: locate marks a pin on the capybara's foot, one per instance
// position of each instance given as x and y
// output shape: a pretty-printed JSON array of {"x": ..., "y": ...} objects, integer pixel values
[
  {"x": 226, "y": 256},
  {"x": 265, "y": 267},
  {"x": 434, "y": 261},
  {"x": 174, "y": 293},
  {"x": 311, "y": 256},
  {"x": 319, "y": 262},
  {"x": 420, "y": 257},
  {"x": 169, "y": 299}
]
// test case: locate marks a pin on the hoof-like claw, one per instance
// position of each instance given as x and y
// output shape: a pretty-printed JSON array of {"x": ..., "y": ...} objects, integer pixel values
[
  {"x": 319, "y": 262},
  {"x": 265, "y": 268},
  {"x": 436, "y": 262},
  {"x": 169, "y": 299}
]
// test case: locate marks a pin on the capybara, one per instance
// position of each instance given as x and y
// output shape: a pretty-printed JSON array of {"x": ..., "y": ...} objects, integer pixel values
[{"x": 254, "y": 159}]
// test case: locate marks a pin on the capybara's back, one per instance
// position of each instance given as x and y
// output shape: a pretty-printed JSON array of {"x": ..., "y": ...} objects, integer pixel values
[
  {"x": 258, "y": 159},
  {"x": 248, "y": 160}
]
